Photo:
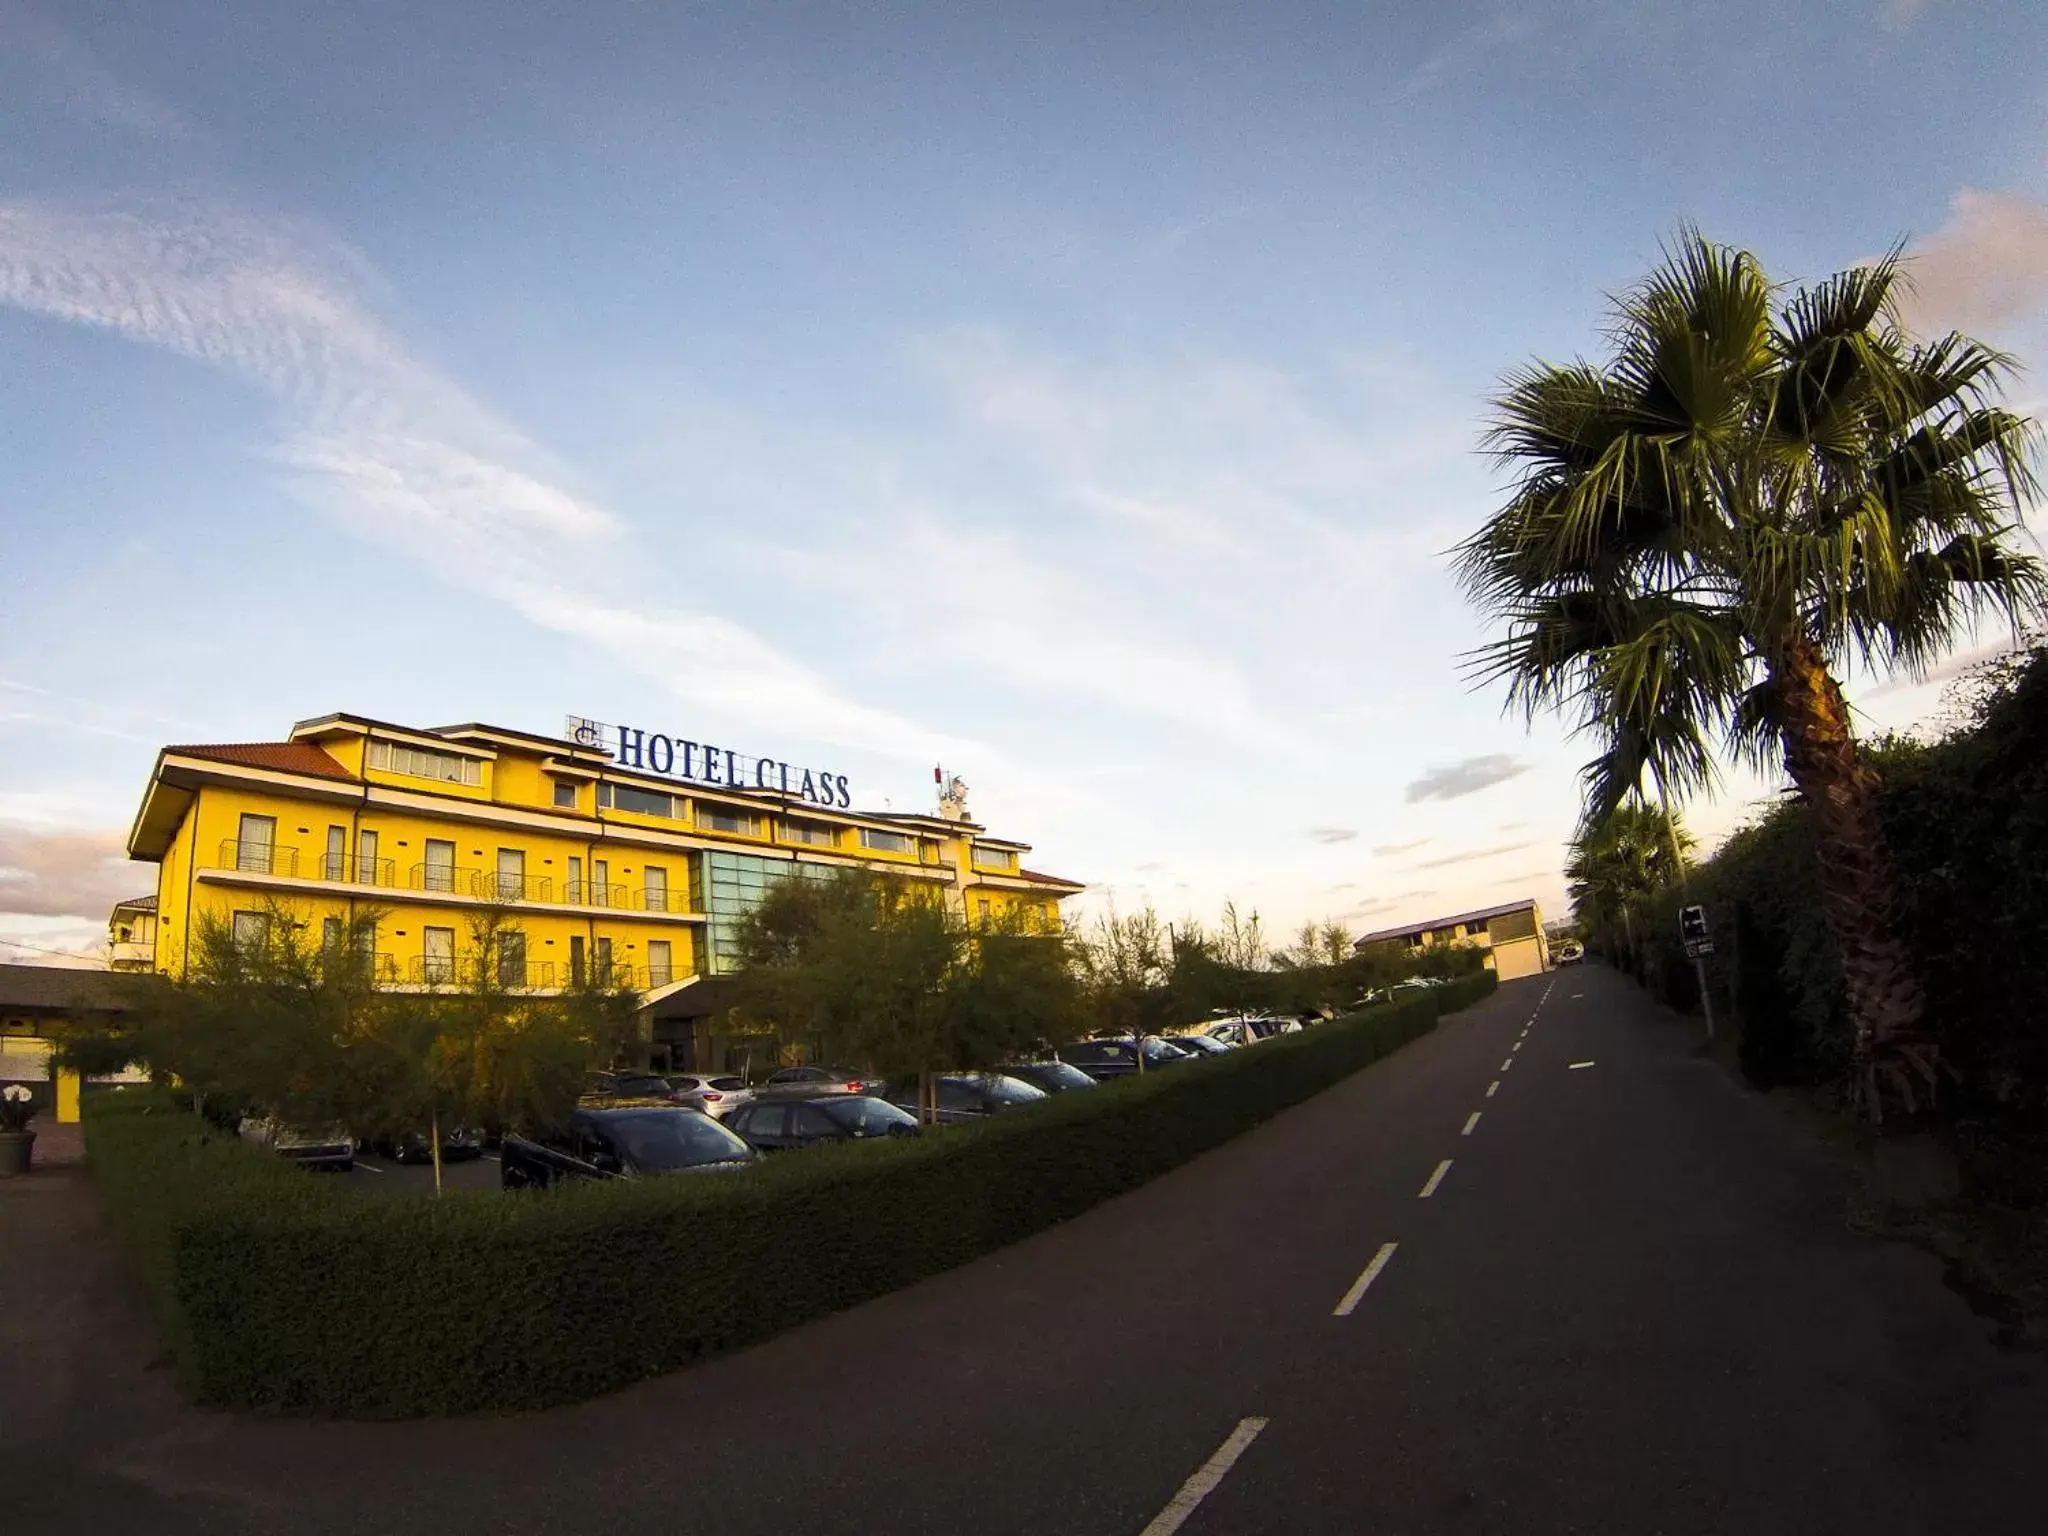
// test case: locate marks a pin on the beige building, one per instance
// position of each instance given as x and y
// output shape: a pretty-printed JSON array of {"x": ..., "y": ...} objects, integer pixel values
[{"x": 1511, "y": 936}]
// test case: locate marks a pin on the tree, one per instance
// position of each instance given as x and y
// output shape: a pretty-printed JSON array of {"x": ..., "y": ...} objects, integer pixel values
[
  {"x": 883, "y": 976},
  {"x": 1751, "y": 492},
  {"x": 1613, "y": 868}
]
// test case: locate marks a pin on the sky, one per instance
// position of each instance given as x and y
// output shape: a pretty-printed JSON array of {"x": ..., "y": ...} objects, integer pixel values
[{"x": 1083, "y": 397}]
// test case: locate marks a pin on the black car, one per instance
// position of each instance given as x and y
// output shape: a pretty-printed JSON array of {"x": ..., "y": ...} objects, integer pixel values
[
  {"x": 967, "y": 1095},
  {"x": 1049, "y": 1076},
  {"x": 781, "y": 1124},
  {"x": 807, "y": 1082},
  {"x": 1199, "y": 1045},
  {"x": 628, "y": 1085},
  {"x": 619, "y": 1139},
  {"x": 459, "y": 1143},
  {"x": 1104, "y": 1059}
]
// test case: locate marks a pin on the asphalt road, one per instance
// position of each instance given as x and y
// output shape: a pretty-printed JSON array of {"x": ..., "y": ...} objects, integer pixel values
[{"x": 1629, "y": 1304}]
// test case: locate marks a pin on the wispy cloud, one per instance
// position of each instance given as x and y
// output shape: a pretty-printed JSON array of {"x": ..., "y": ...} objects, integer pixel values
[
  {"x": 1388, "y": 850},
  {"x": 66, "y": 874},
  {"x": 1986, "y": 267},
  {"x": 1456, "y": 780},
  {"x": 62, "y": 66},
  {"x": 1332, "y": 834},
  {"x": 1474, "y": 855},
  {"x": 398, "y": 453}
]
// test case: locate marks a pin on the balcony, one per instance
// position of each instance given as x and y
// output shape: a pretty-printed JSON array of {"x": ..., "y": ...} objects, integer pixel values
[
  {"x": 133, "y": 955},
  {"x": 258, "y": 858},
  {"x": 479, "y": 884},
  {"x": 511, "y": 973},
  {"x": 348, "y": 870},
  {"x": 593, "y": 893}
]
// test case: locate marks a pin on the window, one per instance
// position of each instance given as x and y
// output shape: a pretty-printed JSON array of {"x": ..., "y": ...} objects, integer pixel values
[
  {"x": 576, "y": 976},
  {"x": 511, "y": 874},
  {"x": 565, "y": 795},
  {"x": 256, "y": 844},
  {"x": 439, "y": 870},
  {"x": 714, "y": 818},
  {"x": 812, "y": 1121},
  {"x": 644, "y": 802},
  {"x": 419, "y": 763},
  {"x": 981, "y": 910},
  {"x": 604, "y": 962},
  {"x": 575, "y": 892},
  {"x": 659, "y": 963},
  {"x": 437, "y": 955},
  {"x": 250, "y": 930},
  {"x": 511, "y": 959},
  {"x": 657, "y": 888},
  {"x": 886, "y": 842},
  {"x": 809, "y": 833},
  {"x": 333, "y": 933},
  {"x": 601, "y": 882},
  {"x": 335, "y": 867},
  {"x": 1001, "y": 860},
  {"x": 366, "y": 858}
]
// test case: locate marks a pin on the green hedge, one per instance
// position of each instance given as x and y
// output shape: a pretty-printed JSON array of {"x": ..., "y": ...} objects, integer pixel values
[{"x": 282, "y": 1288}]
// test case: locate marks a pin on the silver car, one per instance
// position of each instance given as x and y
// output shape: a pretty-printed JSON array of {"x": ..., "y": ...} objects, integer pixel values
[
  {"x": 718, "y": 1096},
  {"x": 324, "y": 1146}
]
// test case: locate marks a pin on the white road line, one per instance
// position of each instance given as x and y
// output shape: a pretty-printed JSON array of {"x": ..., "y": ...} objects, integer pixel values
[
  {"x": 1493, "y": 1087},
  {"x": 490, "y": 1159},
  {"x": 1578, "y": 1064},
  {"x": 1198, "y": 1487},
  {"x": 1508, "y": 1063},
  {"x": 1358, "y": 1286},
  {"x": 1435, "y": 1179},
  {"x": 1470, "y": 1121},
  {"x": 1514, "y": 1048},
  {"x": 368, "y": 1167}
]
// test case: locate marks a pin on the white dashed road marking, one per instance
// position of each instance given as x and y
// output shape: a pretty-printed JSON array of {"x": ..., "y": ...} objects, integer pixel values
[
  {"x": 1358, "y": 1286},
  {"x": 1198, "y": 1487},
  {"x": 1435, "y": 1179},
  {"x": 1508, "y": 1063},
  {"x": 1493, "y": 1087},
  {"x": 1514, "y": 1048},
  {"x": 1578, "y": 1064},
  {"x": 369, "y": 1167},
  {"x": 1470, "y": 1121}
]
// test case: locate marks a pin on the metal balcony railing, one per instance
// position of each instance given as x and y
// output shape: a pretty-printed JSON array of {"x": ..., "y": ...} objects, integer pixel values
[
  {"x": 655, "y": 898},
  {"x": 258, "y": 858},
  {"x": 347, "y": 869},
  {"x": 441, "y": 877},
  {"x": 495, "y": 885},
  {"x": 595, "y": 893},
  {"x": 510, "y": 971}
]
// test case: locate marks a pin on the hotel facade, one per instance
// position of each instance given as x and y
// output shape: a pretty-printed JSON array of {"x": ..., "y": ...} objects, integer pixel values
[{"x": 609, "y": 855}]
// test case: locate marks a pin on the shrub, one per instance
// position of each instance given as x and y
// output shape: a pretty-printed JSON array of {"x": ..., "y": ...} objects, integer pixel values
[{"x": 280, "y": 1288}]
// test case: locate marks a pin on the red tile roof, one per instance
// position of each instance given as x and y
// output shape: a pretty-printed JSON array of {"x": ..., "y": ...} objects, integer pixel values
[
  {"x": 1038, "y": 879},
  {"x": 278, "y": 756}
]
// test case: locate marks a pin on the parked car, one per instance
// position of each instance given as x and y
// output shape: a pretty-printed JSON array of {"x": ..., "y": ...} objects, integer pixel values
[
  {"x": 1570, "y": 952},
  {"x": 776, "y": 1125},
  {"x": 1102, "y": 1059},
  {"x": 628, "y": 1085},
  {"x": 809, "y": 1082},
  {"x": 967, "y": 1095},
  {"x": 459, "y": 1143},
  {"x": 716, "y": 1096},
  {"x": 609, "y": 1138},
  {"x": 325, "y": 1146},
  {"x": 1053, "y": 1076},
  {"x": 1237, "y": 1032},
  {"x": 1200, "y": 1044}
]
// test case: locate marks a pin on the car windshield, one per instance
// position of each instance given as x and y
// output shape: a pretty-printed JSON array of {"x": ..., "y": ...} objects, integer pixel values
[
  {"x": 1159, "y": 1050},
  {"x": 1006, "y": 1090},
  {"x": 1045, "y": 1073},
  {"x": 661, "y": 1141},
  {"x": 867, "y": 1116},
  {"x": 1201, "y": 1045}
]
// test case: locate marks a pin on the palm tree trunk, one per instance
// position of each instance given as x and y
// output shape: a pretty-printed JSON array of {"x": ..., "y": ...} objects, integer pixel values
[{"x": 1893, "y": 1057}]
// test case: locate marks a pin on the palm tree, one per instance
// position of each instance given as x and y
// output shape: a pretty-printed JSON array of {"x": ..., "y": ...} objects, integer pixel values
[
  {"x": 1753, "y": 491},
  {"x": 1616, "y": 866}
]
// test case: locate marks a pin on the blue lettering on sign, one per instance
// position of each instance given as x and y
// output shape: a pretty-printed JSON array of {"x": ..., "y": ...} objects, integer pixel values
[{"x": 700, "y": 762}]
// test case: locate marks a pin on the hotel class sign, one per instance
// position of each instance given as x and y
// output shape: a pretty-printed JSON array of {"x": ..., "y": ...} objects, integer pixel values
[{"x": 703, "y": 762}]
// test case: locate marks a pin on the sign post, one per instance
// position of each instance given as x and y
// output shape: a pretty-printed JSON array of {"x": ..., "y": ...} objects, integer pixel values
[{"x": 1699, "y": 943}]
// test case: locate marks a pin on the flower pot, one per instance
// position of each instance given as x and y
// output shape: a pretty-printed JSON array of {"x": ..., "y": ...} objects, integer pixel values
[{"x": 14, "y": 1151}]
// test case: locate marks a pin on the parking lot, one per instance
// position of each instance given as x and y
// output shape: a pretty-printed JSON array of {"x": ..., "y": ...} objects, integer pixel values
[{"x": 381, "y": 1176}]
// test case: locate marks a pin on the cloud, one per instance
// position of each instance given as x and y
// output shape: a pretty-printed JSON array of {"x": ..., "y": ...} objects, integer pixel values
[
  {"x": 1898, "y": 15},
  {"x": 1983, "y": 269},
  {"x": 1388, "y": 850},
  {"x": 62, "y": 66},
  {"x": 67, "y": 874},
  {"x": 1473, "y": 856},
  {"x": 400, "y": 455},
  {"x": 1332, "y": 834},
  {"x": 1465, "y": 778}
]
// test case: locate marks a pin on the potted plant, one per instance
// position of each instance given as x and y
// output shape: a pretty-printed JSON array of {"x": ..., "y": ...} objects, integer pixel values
[{"x": 17, "y": 1104}]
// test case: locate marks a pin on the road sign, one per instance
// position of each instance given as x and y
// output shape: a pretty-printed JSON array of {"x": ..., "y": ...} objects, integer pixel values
[
  {"x": 1696, "y": 949},
  {"x": 1692, "y": 926}
]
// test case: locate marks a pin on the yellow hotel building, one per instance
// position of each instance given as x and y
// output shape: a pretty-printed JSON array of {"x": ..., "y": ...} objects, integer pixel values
[{"x": 606, "y": 870}]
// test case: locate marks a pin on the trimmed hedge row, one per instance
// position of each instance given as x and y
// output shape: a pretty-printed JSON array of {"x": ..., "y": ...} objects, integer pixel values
[{"x": 277, "y": 1288}]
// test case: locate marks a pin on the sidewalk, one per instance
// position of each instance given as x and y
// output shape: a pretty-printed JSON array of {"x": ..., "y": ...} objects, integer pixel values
[{"x": 57, "y": 1146}]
